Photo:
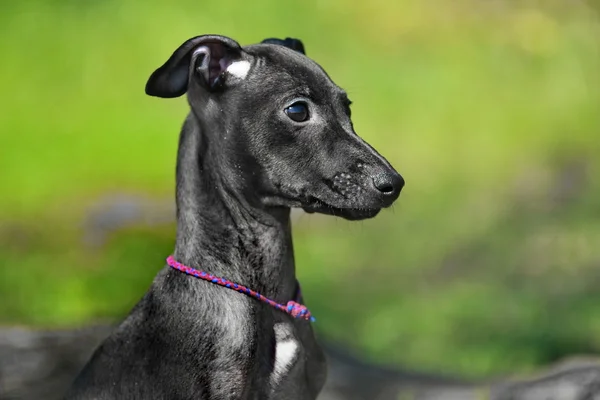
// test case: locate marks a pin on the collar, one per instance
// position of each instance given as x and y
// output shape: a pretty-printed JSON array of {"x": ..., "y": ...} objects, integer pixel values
[{"x": 292, "y": 307}]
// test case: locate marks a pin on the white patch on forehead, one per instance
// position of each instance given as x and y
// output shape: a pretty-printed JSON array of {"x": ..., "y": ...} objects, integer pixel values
[
  {"x": 286, "y": 351},
  {"x": 239, "y": 69}
]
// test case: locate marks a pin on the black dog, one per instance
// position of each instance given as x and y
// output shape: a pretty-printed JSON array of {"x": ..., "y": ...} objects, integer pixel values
[{"x": 268, "y": 130}]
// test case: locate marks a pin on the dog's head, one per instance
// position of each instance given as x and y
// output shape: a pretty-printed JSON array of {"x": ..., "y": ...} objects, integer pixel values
[{"x": 281, "y": 124}]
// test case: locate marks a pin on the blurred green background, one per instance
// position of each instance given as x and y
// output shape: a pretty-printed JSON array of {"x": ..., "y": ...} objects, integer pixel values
[{"x": 489, "y": 262}]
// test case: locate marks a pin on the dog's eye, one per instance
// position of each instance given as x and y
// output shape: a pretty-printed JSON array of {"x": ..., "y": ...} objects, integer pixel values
[{"x": 297, "y": 112}]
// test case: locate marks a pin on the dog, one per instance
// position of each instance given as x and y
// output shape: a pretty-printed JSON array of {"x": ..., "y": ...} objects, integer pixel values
[{"x": 267, "y": 131}]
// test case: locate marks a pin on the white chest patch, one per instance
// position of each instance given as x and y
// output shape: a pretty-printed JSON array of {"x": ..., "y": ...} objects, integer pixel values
[
  {"x": 239, "y": 69},
  {"x": 286, "y": 352}
]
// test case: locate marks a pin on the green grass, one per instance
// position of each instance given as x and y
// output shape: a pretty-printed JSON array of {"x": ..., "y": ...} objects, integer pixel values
[{"x": 486, "y": 264}]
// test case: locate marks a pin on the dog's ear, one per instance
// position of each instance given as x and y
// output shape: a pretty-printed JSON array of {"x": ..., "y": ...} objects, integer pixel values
[
  {"x": 206, "y": 55},
  {"x": 291, "y": 43}
]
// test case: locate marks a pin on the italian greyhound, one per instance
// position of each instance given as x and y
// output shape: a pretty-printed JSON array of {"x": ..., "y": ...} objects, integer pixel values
[{"x": 268, "y": 130}]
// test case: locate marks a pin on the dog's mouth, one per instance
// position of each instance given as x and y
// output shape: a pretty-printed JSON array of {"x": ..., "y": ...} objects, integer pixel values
[{"x": 352, "y": 214}]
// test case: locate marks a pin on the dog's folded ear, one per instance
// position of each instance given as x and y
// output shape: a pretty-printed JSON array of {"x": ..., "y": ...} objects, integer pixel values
[
  {"x": 209, "y": 56},
  {"x": 291, "y": 43}
]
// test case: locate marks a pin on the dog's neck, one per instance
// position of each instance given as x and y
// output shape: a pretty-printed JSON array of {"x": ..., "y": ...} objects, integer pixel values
[{"x": 218, "y": 230}]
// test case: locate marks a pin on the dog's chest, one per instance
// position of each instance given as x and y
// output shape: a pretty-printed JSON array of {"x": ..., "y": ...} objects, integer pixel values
[{"x": 287, "y": 349}]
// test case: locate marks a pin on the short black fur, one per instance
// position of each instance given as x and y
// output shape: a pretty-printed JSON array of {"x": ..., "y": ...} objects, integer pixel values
[{"x": 242, "y": 164}]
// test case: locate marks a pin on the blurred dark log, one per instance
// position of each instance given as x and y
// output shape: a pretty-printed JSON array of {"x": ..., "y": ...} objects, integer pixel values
[{"x": 41, "y": 364}]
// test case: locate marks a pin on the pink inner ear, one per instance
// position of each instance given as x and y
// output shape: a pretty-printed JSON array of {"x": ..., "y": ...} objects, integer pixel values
[
  {"x": 219, "y": 61},
  {"x": 224, "y": 63}
]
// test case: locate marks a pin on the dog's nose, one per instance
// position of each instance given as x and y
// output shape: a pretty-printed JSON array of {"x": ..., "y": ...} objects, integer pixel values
[{"x": 389, "y": 184}]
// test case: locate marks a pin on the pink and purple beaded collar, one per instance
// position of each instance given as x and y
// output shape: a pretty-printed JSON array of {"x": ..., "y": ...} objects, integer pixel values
[{"x": 292, "y": 308}]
